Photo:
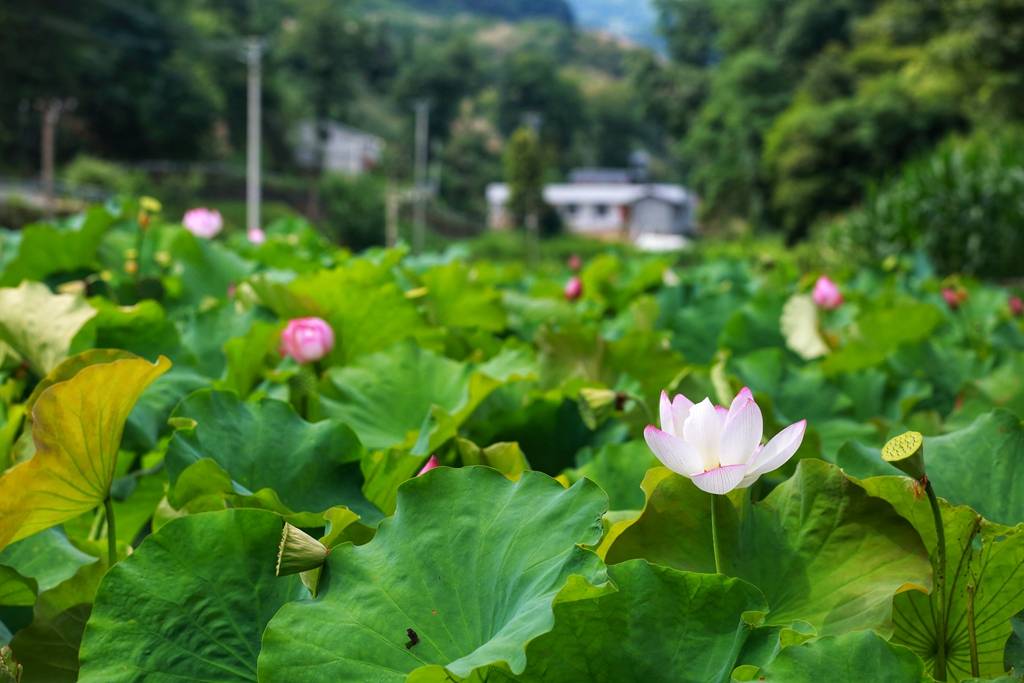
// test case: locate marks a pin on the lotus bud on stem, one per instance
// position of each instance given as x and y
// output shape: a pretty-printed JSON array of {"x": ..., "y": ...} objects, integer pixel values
[
  {"x": 906, "y": 453},
  {"x": 299, "y": 552}
]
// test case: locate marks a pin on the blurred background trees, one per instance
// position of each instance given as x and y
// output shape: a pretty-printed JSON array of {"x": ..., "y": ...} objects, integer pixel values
[{"x": 781, "y": 114}]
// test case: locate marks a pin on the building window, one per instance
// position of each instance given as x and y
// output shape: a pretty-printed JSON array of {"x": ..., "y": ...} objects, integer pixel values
[{"x": 601, "y": 210}]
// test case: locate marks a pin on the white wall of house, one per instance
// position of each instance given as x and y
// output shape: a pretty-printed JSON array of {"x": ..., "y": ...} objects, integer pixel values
[
  {"x": 607, "y": 209},
  {"x": 345, "y": 150}
]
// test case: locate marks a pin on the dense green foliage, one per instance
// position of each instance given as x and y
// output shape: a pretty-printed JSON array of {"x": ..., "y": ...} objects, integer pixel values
[
  {"x": 787, "y": 112},
  {"x": 158, "y": 81},
  {"x": 962, "y": 204},
  {"x": 149, "y": 420}
]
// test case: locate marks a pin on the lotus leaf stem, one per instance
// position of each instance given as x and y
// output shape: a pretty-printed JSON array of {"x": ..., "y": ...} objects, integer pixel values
[
  {"x": 940, "y": 584},
  {"x": 108, "y": 504}
]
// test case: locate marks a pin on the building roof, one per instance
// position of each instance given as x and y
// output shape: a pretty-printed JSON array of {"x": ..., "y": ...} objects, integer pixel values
[
  {"x": 598, "y": 193},
  {"x": 603, "y": 175},
  {"x": 337, "y": 128}
]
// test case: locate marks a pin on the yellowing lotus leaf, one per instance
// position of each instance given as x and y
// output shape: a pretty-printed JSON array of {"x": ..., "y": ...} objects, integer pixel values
[{"x": 77, "y": 426}]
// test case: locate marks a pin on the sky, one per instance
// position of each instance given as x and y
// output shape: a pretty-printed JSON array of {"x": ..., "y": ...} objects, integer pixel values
[{"x": 633, "y": 19}]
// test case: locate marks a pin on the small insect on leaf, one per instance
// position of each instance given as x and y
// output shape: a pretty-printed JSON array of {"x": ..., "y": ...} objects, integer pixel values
[{"x": 413, "y": 638}]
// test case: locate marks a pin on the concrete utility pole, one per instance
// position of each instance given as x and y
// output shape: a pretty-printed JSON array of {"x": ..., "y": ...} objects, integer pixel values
[
  {"x": 50, "y": 110},
  {"x": 253, "y": 58},
  {"x": 422, "y": 142},
  {"x": 391, "y": 218}
]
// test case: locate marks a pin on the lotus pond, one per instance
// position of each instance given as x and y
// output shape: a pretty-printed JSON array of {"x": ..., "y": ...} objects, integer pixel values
[{"x": 262, "y": 458}]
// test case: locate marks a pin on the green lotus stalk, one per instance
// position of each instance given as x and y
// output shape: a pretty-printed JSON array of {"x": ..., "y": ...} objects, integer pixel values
[
  {"x": 714, "y": 535},
  {"x": 906, "y": 453},
  {"x": 940, "y": 582},
  {"x": 108, "y": 505}
]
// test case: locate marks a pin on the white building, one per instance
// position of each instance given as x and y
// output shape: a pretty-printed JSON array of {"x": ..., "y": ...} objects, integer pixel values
[
  {"x": 345, "y": 149},
  {"x": 658, "y": 215}
]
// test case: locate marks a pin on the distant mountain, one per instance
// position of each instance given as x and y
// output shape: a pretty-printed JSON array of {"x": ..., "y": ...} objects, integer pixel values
[
  {"x": 558, "y": 10},
  {"x": 635, "y": 20}
]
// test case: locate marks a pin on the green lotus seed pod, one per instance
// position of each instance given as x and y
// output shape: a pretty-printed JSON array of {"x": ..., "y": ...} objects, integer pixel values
[
  {"x": 299, "y": 552},
  {"x": 906, "y": 452}
]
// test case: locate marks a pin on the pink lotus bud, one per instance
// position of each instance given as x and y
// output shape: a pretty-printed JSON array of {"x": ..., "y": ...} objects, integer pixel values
[
  {"x": 826, "y": 293},
  {"x": 573, "y": 288},
  {"x": 431, "y": 464},
  {"x": 1016, "y": 306},
  {"x": 575, "y": 263},
  {"x": 954, "y": 297},
  {"x": 307, "y": 339},
  {"x": 256, "y": 235},
  {"x": 202, "y": 222}
]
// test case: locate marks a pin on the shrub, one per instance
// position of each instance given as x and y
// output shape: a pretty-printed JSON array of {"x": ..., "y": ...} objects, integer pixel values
[
  {"x": 353, "y": 208},
  {"x": 89, "y": 173},
  {"x": 963, "y": 205}
]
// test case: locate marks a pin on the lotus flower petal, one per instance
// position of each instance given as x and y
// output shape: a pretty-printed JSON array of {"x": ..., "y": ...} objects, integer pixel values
[
  {"x": 673, "y": 452},
  {"x": 674, "y": 413},
  {"x": 668, "y": 424},
  {"x": 742, "y": 432},
  {"x": 703, "y": 431},
  {"x": 779, "y": 450},
  {"x": 720, "y": 480}
]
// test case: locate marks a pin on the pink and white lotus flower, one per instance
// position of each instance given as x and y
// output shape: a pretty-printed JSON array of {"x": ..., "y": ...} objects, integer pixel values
[
  {"x": 826, "y": 294},
  {"x": 431, "y": 464},
  {"x": 719, "y": 449},
  {"x": 203, "y": 222},
  {"x": 256, "y": 235},
  {"x": 307, "y": 339}
]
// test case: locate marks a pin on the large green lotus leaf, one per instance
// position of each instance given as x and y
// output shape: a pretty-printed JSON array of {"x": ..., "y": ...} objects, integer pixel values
[
  {"x": 204, "y": 486},
  {"x": 878, "y": 333},
  {"x": 547, "y": 426},
  {"x": 40, "y": 325},
  {"x": 143, "y": 329},
  {"x": 820, "y": 548},
  {"x": 15, "y": 589},
  {"x": 455, "y": 299},
  {"x": 247, "y": 357},
  {"x": 361, "y": 301},
  {"x": 981, "y": 466},
  {"x": 190, "y": 603},
  {"x": 849, "y": 658},
  {"x": 579, "y": 353},
  {"x": 36, "y": 256},
  {"x": 11, "y": 419},
  {"x": 471, "y": 562},
  {"x": 205, "y": 268},
  {"x": 77, "y": 426},
  {"x": 147, "y": 423},
  {"x": 659, "y": 625},
  {"x": 204, "y": 334},
  {"x": 619, "y": 469},
  {"x": 409, "y": 397},
  {"x": 987, "y": 556},
  {"x": 47, "y": 557},
  {"x": 48, "y": 646},
  {"x": 266, "y": 445}
]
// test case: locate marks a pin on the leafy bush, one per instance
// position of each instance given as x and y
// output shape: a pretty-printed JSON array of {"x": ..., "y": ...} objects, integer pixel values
[
  {"x": 354, "y": 209},
  {"x": 90, "y": 173},
  {"x": 963, "y": 205}
]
